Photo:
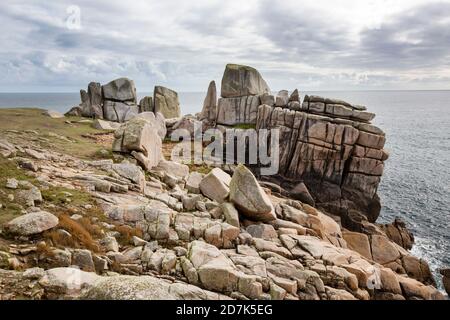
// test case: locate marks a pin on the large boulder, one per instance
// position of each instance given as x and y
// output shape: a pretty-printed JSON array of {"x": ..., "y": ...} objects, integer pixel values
[
  {"x": 67, "y": 281},
  {"x": 215, "y": 271},
  {"x": 121, "y": 89},
  {"x": 156, "y": 120},
  {"x": 32, "y": 223},
  {"x": 91, "y": 101},
  {"x": 145, "y": 288},
  {"x": 146, "y": 105},
  {"x": 166, "y": 102},
  {"x": 119, "y": 103},
  {"x": 131, "y": 172},
  {"x": 140, "y": 138},
  {"x": 119, "y": 111},
  {"x": 209, "y": 111},
  {"x": 239, "y": 81},
  {"x": 383, "y": 250},
  {"x": 215, "y": 185},
  {"x": 248, "y": 196}
]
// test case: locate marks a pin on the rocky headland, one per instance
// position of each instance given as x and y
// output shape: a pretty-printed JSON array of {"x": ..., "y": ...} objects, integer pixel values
[{"x": 92, "y": 206}]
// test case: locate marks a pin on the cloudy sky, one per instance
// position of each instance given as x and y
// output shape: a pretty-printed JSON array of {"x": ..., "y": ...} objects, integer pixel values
[{"x": 308, "y": 44}]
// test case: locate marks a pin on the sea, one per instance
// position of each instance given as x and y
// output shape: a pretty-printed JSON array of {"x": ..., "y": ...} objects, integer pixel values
[{"x": 416, "y": 182}]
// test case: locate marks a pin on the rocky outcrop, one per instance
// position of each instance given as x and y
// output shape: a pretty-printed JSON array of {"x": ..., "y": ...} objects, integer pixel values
[
  {"x": 146, "y": 105},
  {"x": 140, "y": 138},
  {"x": 209, "y": 111},
  {"x": 336, "y": 109},
  {"x": 91, "y": 101},
  {"x": 115, "y": 101},
  {"x": 170, "y": 233},
  {"x": 340, "y": 161},
  {"x": 240, "y": 81},
  {"x": 241, "y": 88},
  {"x": 145, "y": 288},
  {"x": 399, "y": 233},
  {"x": 240, "y": 110},
  {"x": 248, "y": 196},
  {"x": 166, "y": 102},
  {"x": 119, "y": 103}
]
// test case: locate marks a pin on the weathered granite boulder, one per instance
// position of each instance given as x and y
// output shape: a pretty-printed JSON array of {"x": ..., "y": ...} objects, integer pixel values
[
  {"x": 146, "y": 105},
  {"x": 215, "y": 185},
  {"x": 267, "y": 99},
  {"x": 209, "y": 111},
  {"x": 295, "y": 96},
  {"x": 145, "y": 288},
  {"x": 248, "y": 196},
  {"x": 32, "y": 223},
  {"x": 91, "y": 102},
  {"x": 121, "y": 89},
  {"x": 239, "y": 81},
  {"x": 166, "y": 102},
  {"x": 156, "y": 120},
  {"x": 119, "y": 111},
  {"x": 282, "y": 99},
  {"x": 140, "y": 138},
  {"x": 67, "y": 281},
  {"x": 399, "y": 233},
  {"x": 215, "y": 271},
  {"x": 301, "y": 192}
]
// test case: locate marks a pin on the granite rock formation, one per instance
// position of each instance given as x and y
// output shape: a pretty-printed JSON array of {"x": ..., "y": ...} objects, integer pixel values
[
  {"x": 340, "y": 161},
  {"x": 241, "y": 89},
  {"x": 166, "y": 102},
  {"x": 117, "y": 101}
]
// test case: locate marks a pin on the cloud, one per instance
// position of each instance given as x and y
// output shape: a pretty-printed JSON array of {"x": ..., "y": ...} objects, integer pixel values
[{"x": 312, "y": 44}]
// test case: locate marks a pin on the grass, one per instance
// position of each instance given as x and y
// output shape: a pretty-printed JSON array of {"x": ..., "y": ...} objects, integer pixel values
[
  {"x": 126, "y": 234},
  {"x": 10, "y": 209},
  {"x": 50, "y": 131},
  {"x": 84, "y": 234},
  {"x": 59, "y": 196},
  {"x": 244, "y": 126}
]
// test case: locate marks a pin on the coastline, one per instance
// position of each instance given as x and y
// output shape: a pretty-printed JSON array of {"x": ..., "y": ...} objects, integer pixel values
[{"x": 284, "y": 237}]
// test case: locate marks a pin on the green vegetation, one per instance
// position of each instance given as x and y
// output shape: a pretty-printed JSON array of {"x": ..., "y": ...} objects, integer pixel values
[
  {"x": 66, "y": 135},
  {"x": 244, "y": 126},
  {"x": 59, "y": 196},
  {"x": 10, "y": 209}
]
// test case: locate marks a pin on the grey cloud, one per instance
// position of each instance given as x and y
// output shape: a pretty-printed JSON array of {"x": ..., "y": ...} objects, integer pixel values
[
  {"x": 304, "y": 36},
  {"x": 38, "y": 50},
  {"x": 419, "y": 38}
]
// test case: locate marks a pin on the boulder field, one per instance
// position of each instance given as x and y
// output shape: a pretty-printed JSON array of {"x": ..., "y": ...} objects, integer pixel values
[{"x": 139, "y": 226}]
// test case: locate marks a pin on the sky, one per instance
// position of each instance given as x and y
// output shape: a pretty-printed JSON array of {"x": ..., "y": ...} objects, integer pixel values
[{"x": 61, "y": 46}]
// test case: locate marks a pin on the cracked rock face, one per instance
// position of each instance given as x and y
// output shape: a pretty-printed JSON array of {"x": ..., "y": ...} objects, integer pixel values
[
  {"x": 339, "y": 162},
  {"x": 140, "y": 138},
  {"x": 249, "y": 197},
  {"x": 239, "y": 81},
  {"x": 166, "y": 102}
]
